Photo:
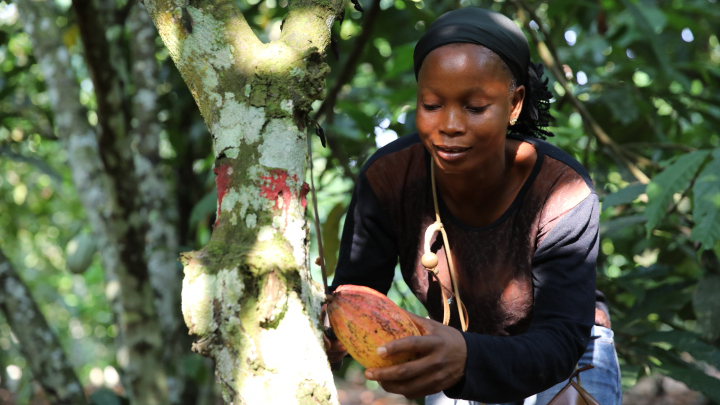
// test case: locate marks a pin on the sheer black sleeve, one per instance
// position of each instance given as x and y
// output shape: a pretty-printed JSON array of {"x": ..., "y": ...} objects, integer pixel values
[
  {"x": 368, "y": 246},
  {"x": 503, "y": 369}
]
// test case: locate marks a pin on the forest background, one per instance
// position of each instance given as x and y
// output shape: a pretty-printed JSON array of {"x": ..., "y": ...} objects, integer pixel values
[{"x": 635, "y": 85}]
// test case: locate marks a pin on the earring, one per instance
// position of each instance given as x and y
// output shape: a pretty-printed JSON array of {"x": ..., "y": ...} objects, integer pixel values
[{"x": 513, "y": 121}]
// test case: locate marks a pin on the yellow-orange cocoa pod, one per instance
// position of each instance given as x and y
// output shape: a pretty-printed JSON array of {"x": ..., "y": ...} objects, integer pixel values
[{"x": 364, "y": 319}]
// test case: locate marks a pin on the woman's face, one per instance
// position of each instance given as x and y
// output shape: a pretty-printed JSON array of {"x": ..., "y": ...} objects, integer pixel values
[{"x": 464, "y": 106}]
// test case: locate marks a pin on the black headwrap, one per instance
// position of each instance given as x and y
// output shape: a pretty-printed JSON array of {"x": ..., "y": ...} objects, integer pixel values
[{"x": 502, "y": 36}]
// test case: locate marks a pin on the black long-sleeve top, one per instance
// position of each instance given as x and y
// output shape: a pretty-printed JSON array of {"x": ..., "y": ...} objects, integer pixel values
[{"x": 527, "y": 280}]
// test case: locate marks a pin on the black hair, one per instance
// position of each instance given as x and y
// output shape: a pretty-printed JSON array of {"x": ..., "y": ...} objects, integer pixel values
[{"x": 535, "y": 114}]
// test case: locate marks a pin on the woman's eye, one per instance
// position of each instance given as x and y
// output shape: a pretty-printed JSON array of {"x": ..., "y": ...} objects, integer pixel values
[
  {"x": 476, "y": 110},
  {"x": 430, "y": 107}
]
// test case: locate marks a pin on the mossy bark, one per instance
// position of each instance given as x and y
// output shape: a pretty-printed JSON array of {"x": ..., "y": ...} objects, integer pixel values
[{"x": 247, "y": 295}]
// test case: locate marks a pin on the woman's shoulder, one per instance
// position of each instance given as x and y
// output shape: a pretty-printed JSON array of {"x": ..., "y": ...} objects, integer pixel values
[
  {"x": 557, "y": 164},
  {"x": 560, "y": 184}
]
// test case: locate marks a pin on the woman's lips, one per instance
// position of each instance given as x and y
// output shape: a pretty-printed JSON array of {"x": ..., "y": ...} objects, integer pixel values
[{"x": 450, "y": 153}]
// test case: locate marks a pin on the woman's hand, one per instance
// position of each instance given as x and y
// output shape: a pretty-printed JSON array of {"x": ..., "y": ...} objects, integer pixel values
[
  {"x": 333, "y": 348},
  {"x": 440, "y": 365}
]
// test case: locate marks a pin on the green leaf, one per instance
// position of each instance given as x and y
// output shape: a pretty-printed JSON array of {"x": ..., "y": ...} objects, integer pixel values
[
  {"x": 706, "y": 212},
  {"x": 651, "y": 21},
  {"x": 689, "y": 374},
  {"x": 623, "y": 196},
  {"x": 620, "y": 224},
  {"x": 684, "y": 341},
  {"x": 707, "y": 306},
  {"x": 403, "y": 58},
  {"x": 365, "y": 123},
  {"x": 207, "y": 205},
  {"x": 623, "y": 107},
  {"x": 671, "y": 180},
  {"x": 331, "y": 237},
  {"x": 667, "y": 297},
  {"x": 104, "y": 396}
]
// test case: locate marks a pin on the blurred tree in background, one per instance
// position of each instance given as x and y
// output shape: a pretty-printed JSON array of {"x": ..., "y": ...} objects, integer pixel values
[{"x": 93, "y": 215}]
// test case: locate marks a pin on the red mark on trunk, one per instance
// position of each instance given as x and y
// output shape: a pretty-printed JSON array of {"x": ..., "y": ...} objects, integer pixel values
[
  {"x": 276, "y": 186},
  {"x": 222, "y": 178}
]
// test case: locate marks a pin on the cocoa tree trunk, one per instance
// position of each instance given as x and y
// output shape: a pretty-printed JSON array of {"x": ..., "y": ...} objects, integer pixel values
[
  {"x": 45, "y": 355},
  {"x": 158, "y": 206},
  {"x": 247, "y": 295},
  {"x": 110, "y": 180}
]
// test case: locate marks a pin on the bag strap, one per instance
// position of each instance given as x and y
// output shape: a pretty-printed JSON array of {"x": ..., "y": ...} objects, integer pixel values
[
  {"x": 576, "y": 373},
  {"x": 430, "y": 260},
  {"x": 429, "y": 265}
]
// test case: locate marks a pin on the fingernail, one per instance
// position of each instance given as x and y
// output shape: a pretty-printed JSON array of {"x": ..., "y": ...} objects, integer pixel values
[
  {"x": 368, "y": 375},
  {"x": 381, "y": 351}
]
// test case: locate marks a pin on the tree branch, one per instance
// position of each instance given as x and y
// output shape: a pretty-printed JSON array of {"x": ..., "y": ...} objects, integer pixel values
[
  {"x": 308, "y": 24},
  {"x": 158, "y": 199},
  {"x": 677, "y": 146},
  {"x": 108, "y": 89},
  {"x": 40, "y": 164},
  {"x": 104, "y": 175},
  {"x": 38, "y": 344},
  {"x": 552, "y": 61},
  {"x": 212, "y": 46},
  {"x": 155, "y": 189}
]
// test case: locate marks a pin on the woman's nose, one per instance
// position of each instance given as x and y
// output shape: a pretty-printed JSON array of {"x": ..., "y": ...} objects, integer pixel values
[{"x": 452, "y": 122}]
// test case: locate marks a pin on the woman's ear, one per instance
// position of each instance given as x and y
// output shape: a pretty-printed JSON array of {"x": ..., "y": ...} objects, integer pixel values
[{"x": 516, "y": 103}]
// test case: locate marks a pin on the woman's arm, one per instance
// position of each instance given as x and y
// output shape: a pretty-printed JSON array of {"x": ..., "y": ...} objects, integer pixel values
[
  {"x": 500, "y": 369},
  {"x": 368, "y": 246}
]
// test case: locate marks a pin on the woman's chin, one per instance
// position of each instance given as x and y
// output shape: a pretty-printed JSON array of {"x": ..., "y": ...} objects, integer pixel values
[{"x": 446, "y": 167}]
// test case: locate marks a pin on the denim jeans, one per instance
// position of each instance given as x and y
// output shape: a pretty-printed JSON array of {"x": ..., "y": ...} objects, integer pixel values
[{"x": 602, "y": 382}]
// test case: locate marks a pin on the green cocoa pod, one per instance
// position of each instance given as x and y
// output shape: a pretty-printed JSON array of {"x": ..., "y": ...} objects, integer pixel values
[{"x": 79, "y": 253}]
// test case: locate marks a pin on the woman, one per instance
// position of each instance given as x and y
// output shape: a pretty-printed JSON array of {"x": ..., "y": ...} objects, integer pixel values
[{"x": 521, "y": 217}]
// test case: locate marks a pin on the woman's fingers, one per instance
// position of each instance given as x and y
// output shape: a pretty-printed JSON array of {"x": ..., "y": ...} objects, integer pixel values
[
  {"x": 440, "y": 364},
  {"x": 410, "y": 344},
  {"x": 333, "y": 348},
  {"x": 414, "y": 344},
  {"x": 427, "y": 375}
]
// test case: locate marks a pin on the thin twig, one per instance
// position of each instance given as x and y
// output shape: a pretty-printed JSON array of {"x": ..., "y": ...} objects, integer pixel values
[
  {"x": 348, "y": 68},
  {"x": 346, "y": 72},
  {"x": 121, "y": 14},
  {"x": 678, "y": 146}
]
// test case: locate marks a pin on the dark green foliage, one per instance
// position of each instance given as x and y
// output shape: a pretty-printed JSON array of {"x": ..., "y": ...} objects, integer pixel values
[
  {"x": 707, "y": 307},
  {"x": 674, "y": 179},
  {"x": 706, "y": 213}
]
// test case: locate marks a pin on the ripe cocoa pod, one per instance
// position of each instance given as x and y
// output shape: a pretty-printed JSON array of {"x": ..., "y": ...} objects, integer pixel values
[{"x": 364, "y": 319}]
